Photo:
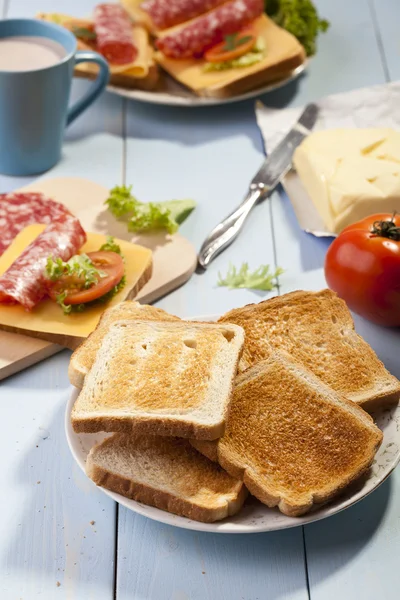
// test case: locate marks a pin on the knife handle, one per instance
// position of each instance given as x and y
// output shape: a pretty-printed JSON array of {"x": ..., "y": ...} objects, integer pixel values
[{"x": 227, "y": 231}]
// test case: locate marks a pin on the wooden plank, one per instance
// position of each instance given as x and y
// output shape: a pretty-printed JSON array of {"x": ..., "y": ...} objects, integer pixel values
[
  {"x": 216, "y": 175},
  {"x": 348, "y": 56},
  {"x": 18, "y": 352},
  {"x": 354, "y": 554},
  {"x": 212, "y": 162},
  {"x": 47, "y": 505},
  {"x": 298, "y": 252},
  {"x": 46, "y": 532},
  {"x": 387, "y": 17},
  {"x": 342, "y": 551},
  {"x": 177, "y": 564}
]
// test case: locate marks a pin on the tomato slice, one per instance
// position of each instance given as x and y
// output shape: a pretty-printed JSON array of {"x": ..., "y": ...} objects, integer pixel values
[
  {"x": 109, "y": 263},
  {"x": 242, "y": 43}
]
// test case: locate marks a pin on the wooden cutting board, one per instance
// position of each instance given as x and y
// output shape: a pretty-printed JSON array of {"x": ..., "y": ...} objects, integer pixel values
[{"x": 174, "y": 260}]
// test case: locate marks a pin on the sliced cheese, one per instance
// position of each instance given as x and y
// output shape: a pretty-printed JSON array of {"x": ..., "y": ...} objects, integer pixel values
[
  {"x": 48, "y": 317},
  {"x": 282, "y": 53},
  {"x": 139, "y": 68},
  {"x": 350, "y": 173},
  {"x": 145, "y": 56},
  {"x": 138, "y": 15}
]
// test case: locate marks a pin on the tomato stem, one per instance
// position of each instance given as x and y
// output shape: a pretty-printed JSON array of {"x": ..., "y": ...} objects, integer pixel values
[{"x": 387, "y": 229}]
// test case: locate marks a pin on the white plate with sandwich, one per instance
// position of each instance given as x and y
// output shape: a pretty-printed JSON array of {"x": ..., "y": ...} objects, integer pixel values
[
  {"x": 170, "y": 93},
  {"x": 296, "y": 435},
  {"x": 185, "y": 54}
]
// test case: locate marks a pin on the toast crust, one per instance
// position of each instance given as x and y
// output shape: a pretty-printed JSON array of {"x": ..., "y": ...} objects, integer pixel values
[
  {"x": 317, "y": 329},
  {"x": 169, "y": 426},
  {"x": 164, "y": 500}
]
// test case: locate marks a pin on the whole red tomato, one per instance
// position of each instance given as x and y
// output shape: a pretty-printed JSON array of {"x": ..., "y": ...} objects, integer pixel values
[{"x": 363, "y": 267}]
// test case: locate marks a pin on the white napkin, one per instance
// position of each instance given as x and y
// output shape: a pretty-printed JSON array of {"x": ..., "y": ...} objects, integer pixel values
[{"x": 377, "y": 106}]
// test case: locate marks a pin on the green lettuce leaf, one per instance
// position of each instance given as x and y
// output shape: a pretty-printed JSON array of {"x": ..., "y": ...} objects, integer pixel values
[
  {"x": 66, "y": 308},
  {"x": 120, "y": 201},
  {"x": 111, "y": 246},
  {"x": 300, "y": 18},
  {"x": 79, "y": 265},
  {"x": 255, "y": 55},
  {"x": 260, "y": 279},
  {"x": 149, "y": 216}
]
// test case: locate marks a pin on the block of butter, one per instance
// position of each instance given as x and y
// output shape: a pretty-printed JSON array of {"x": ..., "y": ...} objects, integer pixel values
[{"x": 350, "y": 173}]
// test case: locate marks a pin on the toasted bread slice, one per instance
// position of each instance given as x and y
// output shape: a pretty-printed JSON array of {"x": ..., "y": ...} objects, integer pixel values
[
  {"x": 207, "y": 448},
  {"x": 161, "y": 378},
  {"x": 316, "y": 329},
  {"x": 166, "y": 473},
  {"x": 142, "y": 73},
  {"x": 83, "y": 357},
  {"x": 283, "y": 54},
  {"x": 294, "y": 441}
]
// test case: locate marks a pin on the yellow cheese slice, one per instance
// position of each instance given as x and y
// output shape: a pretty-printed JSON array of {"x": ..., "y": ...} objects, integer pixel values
[
  {"x": 145, "y": 56},
  {"x": 138, "y": 15},
  {"x": 282, "y": 53},
  {"x": 139, "y": 68},
  {"x": 350, "y": 173},
  {"x": 48, "y": 317}
]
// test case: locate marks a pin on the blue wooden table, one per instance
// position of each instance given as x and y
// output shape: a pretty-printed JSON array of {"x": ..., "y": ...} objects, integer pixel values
[{"x": 62, "y": 538}]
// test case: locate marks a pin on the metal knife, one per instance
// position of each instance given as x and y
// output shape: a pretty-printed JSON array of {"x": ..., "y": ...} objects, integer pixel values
[{"x": 274, "y": 167}]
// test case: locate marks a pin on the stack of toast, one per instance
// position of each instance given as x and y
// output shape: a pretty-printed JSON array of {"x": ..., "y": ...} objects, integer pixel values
[{"x": 269, "y": 400}]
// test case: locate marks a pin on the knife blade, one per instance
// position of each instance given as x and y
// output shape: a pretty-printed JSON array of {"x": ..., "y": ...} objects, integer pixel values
[{"x": 274, "y": 167}]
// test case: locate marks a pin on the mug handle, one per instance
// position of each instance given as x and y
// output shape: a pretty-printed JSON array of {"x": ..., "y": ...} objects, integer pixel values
[{"x": 95, "y": 89}]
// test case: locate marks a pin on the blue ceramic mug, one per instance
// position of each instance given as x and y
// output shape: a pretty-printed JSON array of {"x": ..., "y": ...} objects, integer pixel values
[{"x": 34, "y": 103}]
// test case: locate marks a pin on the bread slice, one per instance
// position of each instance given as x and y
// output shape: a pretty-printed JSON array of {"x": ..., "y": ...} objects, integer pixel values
[
  {"x": 207, "y": 448},
  {"x": 83, "y": 357},
  {"x": 294, "y": 441},
  {"x": 283, "y": 54},
  {"x": 166, "y": 473},
  {"x": 316, "y": 329},
  {"x": 161, "y": 378}
]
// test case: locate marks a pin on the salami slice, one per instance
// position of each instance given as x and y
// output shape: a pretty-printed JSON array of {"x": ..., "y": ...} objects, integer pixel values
[
  {"x": 18, "y": 210},
  {"x": 166, "y": 13},
  {"x": 113, "y": 28},
  {"x": 25, "y": 281},
  {"x": 209, "y": 30}
]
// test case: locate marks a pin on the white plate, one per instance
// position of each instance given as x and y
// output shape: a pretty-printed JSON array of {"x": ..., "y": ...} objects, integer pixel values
[
  {"x": 254, "y": 516},
  {"x": 172, "y": 93}
]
